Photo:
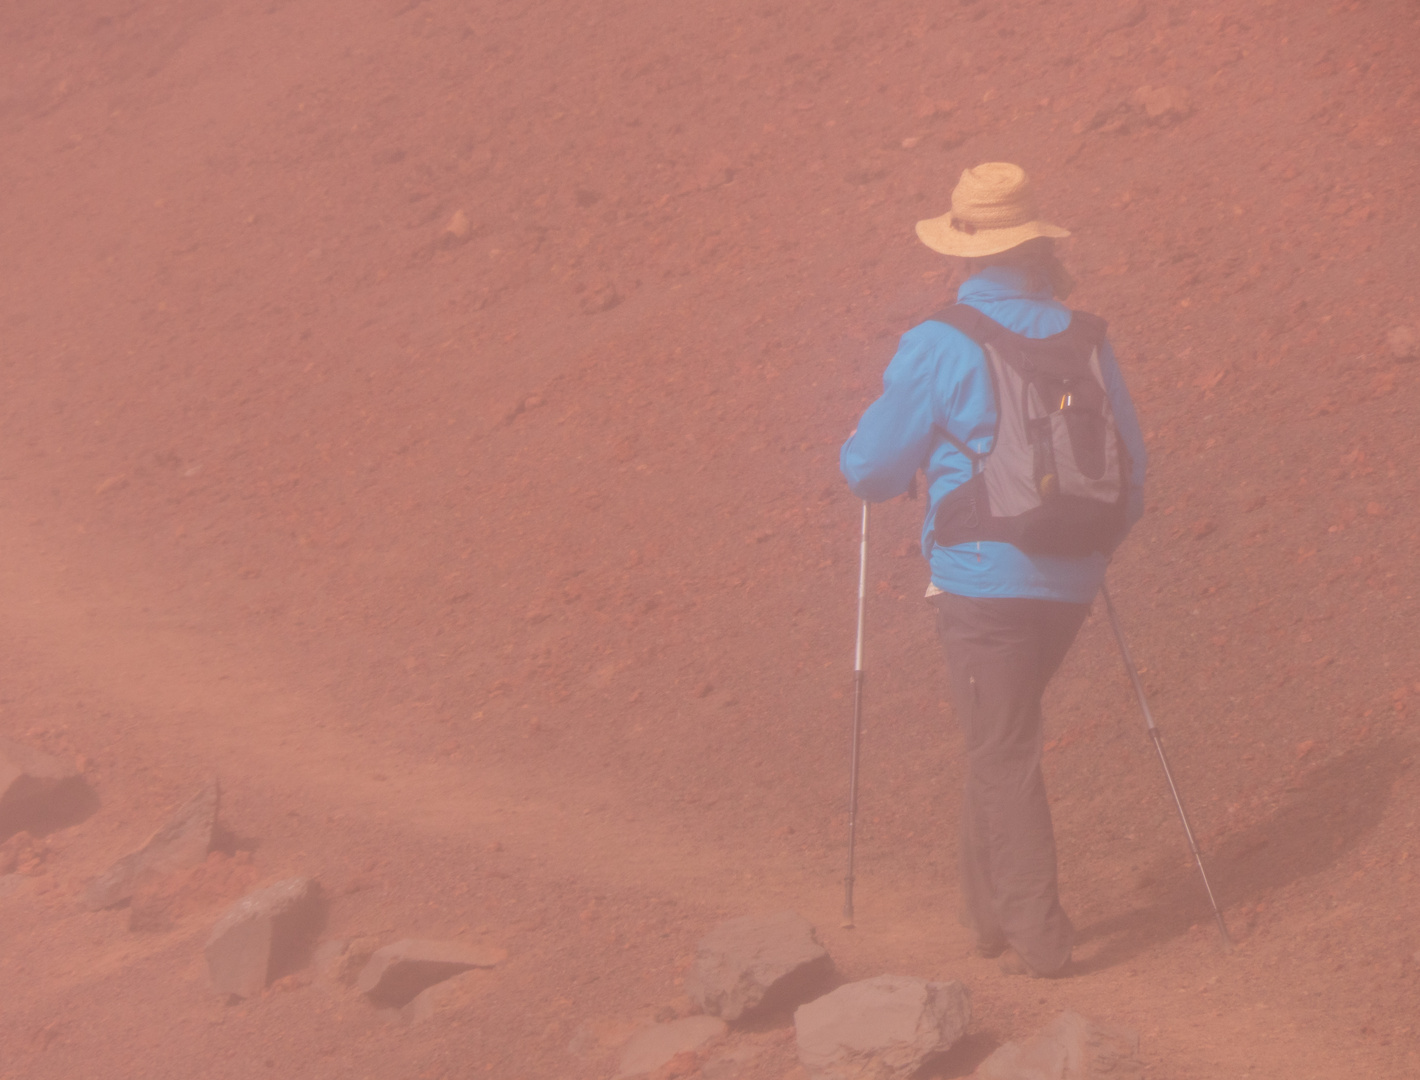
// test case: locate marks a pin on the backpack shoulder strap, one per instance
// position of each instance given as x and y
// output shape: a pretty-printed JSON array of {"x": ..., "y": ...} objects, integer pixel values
[
  {"x": 980, "y": 328},
  {"x": 1087, "y": 327},
  {"x": 971, "y": 454}
]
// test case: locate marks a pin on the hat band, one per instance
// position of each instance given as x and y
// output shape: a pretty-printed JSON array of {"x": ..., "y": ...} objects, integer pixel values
[{"x": 963, "y": 226}]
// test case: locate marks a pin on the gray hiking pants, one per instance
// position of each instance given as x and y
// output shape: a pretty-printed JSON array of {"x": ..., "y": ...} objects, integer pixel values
[{"x": 1001, "y": 652}]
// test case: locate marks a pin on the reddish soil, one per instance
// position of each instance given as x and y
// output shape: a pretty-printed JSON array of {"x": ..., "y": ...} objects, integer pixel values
[{"x": 507, "y": 579}]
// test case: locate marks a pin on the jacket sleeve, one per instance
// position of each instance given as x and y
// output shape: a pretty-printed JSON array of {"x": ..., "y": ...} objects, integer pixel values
[
  {"x": 1128, "y": 423},
  {"x": 894, "y": 437}
]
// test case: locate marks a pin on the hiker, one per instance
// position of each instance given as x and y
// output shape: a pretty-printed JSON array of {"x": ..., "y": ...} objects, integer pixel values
[{"x": 1011, "y": 589}]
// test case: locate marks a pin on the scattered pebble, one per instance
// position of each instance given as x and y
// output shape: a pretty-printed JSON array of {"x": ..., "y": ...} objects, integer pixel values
[
  {"x": 457, "y": 231},
  {"x": 1163, "y": 104}
]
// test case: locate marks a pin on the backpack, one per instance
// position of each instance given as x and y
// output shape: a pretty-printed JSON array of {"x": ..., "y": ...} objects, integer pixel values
[{"x": 1055, "y": 478}]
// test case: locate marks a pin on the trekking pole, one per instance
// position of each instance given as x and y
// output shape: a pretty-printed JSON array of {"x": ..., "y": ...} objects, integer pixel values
[
  {"x": 857, "y": 720},
  {"x": 1163, "y": 759}
]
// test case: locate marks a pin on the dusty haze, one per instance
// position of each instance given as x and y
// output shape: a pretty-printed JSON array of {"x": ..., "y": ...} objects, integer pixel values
[{"x": 424, "y": 416}]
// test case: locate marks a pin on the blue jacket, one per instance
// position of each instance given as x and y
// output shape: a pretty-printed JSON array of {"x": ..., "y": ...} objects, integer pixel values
[{"x": 939, "y": 381}]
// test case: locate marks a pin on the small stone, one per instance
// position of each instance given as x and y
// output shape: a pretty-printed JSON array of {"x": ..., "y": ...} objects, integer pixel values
[
  {"x": 717, "y": 172},
  {"x": 263, "y": 936},
  {"x": 1130, "y": 13},
  {"x": 599, "y": 297},
  {"x": 27, "y": 778},
  {"x": 1403, "y": 342},
  {"x": 457, "y": 231},
  {"x": 1163, "y": 104},
  {"x": 184, "y": 841},
  {"x": 398, "y": 972},
  {"x": 23, "y": 854},
  {"x": 758, "y": 964},
  {"x": 345, "y": 969},
  {"x": 677, "y": 1008},
  {"x": 880, "y": 1029},
  {"x": 652, "y": 1047},
  {"x": 1070, "y": 1047},
  {"x": 328, "y": 960},
  {"x": 928, "y": 109}
]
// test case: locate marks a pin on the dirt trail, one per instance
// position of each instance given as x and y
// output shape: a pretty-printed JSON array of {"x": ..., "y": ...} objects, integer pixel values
[
  {"x": 506, "y": 578},
  {"x": 224, "y": 704}
]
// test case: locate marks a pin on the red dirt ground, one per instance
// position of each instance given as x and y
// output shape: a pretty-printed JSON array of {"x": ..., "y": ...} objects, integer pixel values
[{"x": 507, "y": 580}]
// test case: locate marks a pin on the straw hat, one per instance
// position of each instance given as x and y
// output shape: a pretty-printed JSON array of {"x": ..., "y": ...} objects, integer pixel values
[{"x": 993, "y": 210}]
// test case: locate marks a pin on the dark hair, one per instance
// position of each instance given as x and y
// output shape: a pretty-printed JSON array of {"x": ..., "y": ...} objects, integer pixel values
[{"x": 1036, "y": 259}]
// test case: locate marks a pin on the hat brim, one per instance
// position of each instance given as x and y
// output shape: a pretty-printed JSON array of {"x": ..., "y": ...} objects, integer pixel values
[{"x": 937, "y": 233}]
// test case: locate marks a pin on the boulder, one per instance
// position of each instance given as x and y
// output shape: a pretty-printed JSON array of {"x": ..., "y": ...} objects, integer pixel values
[
  {"x": 263, "y": 936},
  {"x": 1070, "y": 1047},
  {"x": 398, "y": 972},
  {"x": 758, "y": 964},
  {"x": 27, "y": 778},
  {"x": 652, "y": 1047},
  {"x": 880, "y": 1029},
  {"x": 184, "y": 841}
]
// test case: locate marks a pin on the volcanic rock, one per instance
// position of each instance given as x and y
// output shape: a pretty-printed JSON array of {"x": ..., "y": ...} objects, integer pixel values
[
  {"x": 1070, "y": 1047},
  {"x": 263, "y": 936},
  {"x": 28, "y": 777},
  {"x": 459, "y": 994},
  {"x": 329, "y": 961},
  {"x": 184, "y": 841},
  {"x": 23, "y": 854},
  {"x": 1163, "y": 104},
  {"x": 598, "y": 297},
  {"x": 396, "y": 973},
  {"x": 652, "y": 1047},
  {"x": 758, "y": 964},
  {"x": 880, "y": 1029},
  {"x": 457, "y": 231}
]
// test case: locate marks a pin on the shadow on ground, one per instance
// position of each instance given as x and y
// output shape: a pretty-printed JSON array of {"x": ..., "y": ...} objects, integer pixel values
[
  {"x": 1320, "y": 815},
  {"x": 962, "y": 1059},
  {"x": 69, "y": 803}
]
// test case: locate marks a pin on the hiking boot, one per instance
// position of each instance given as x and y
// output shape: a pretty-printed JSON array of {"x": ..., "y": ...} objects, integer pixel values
[{"x": 1012, "y": 963}]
